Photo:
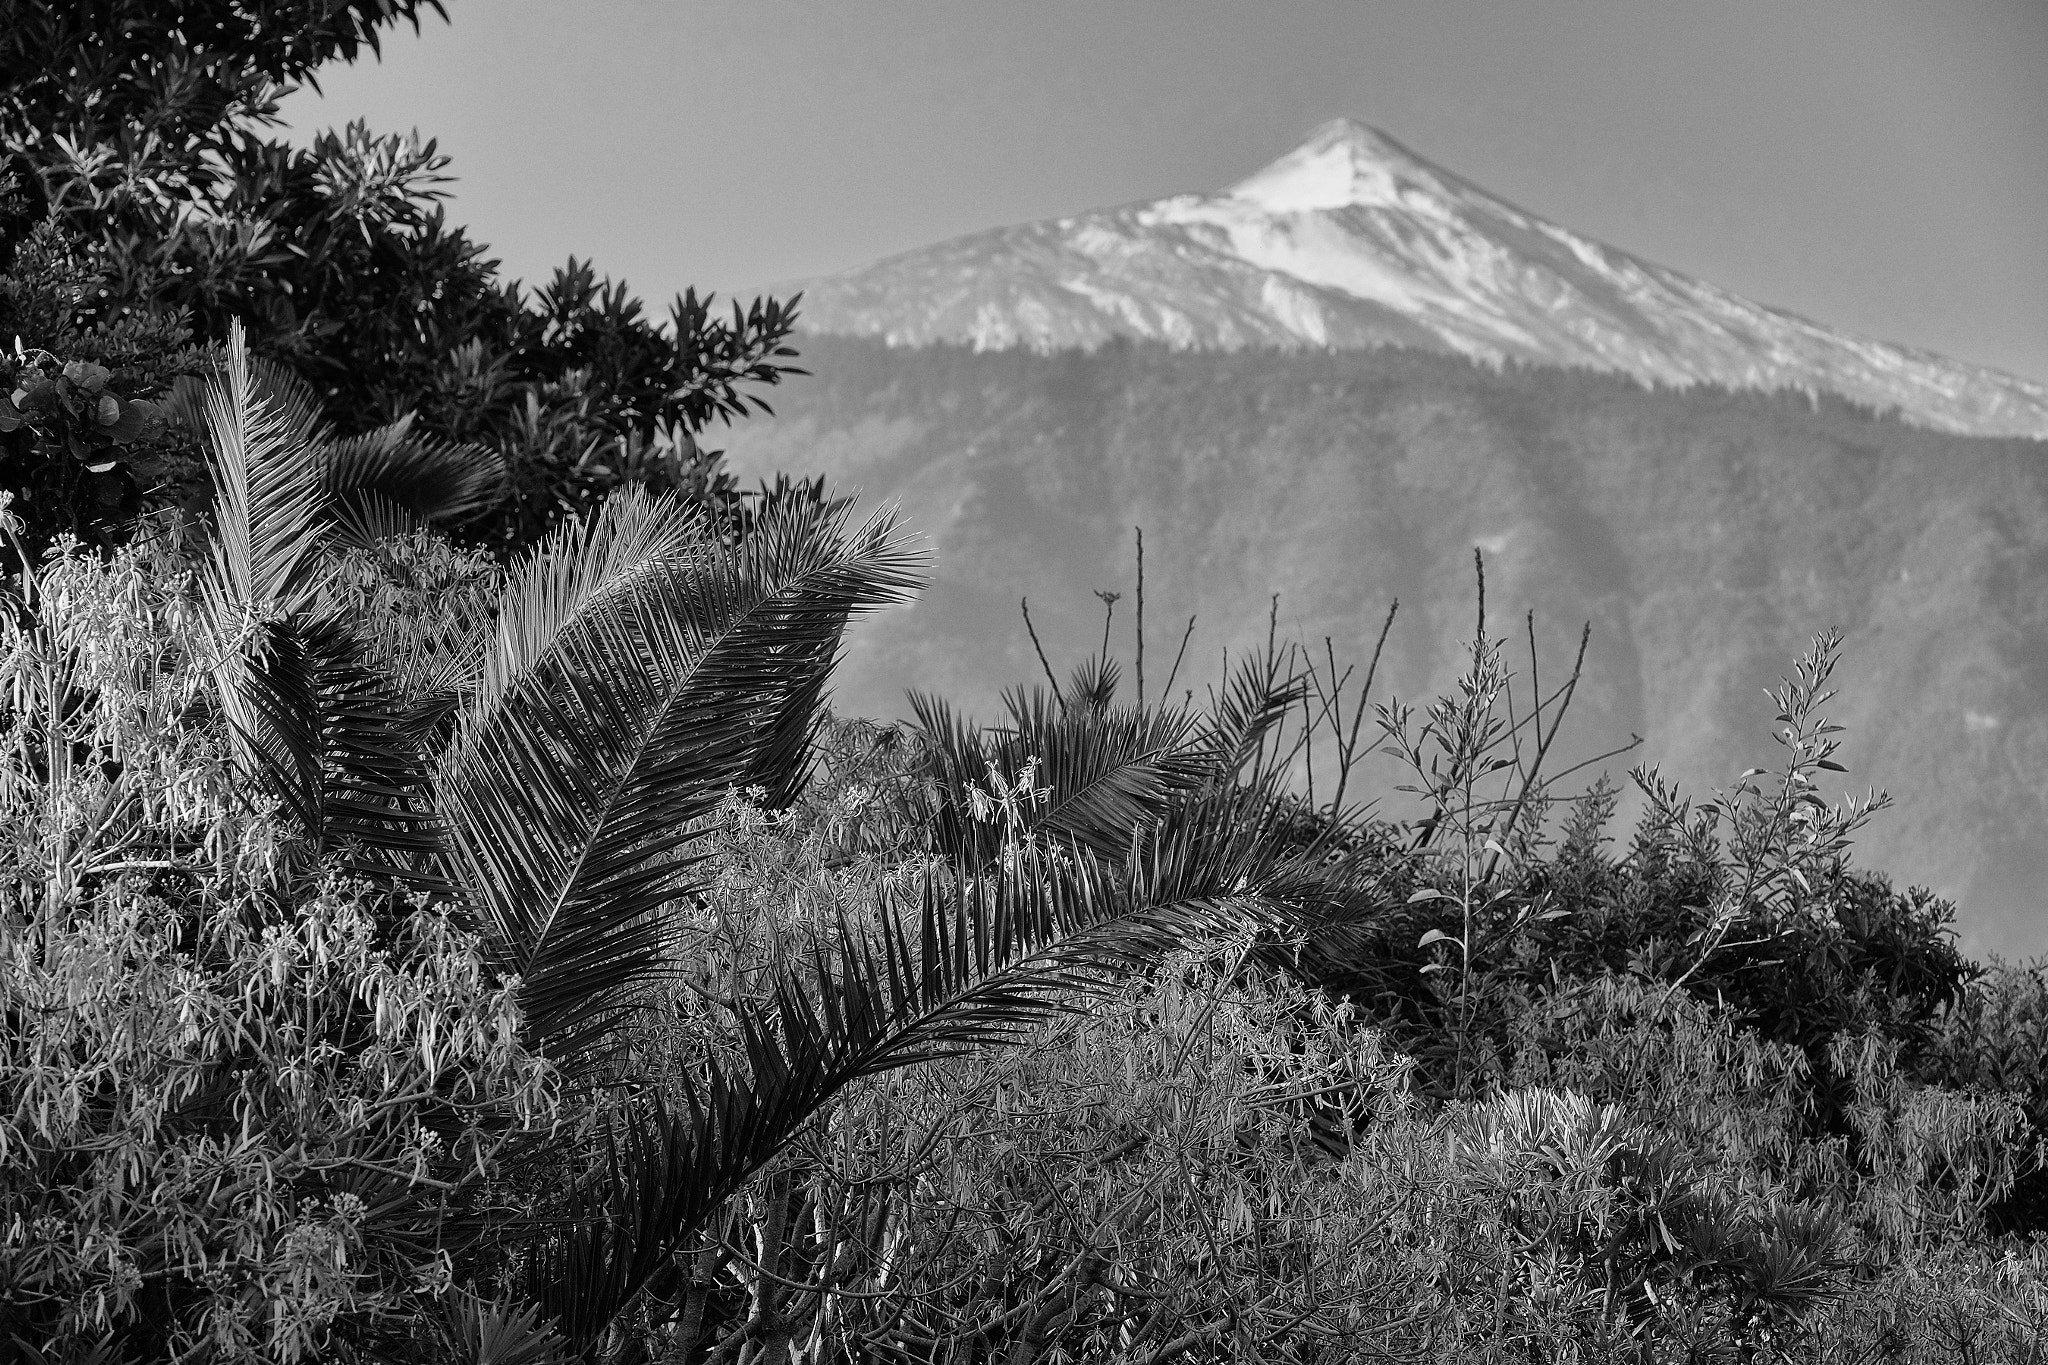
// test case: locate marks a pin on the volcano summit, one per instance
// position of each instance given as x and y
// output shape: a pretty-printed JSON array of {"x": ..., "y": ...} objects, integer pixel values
[{"x": 1353, "y": 241}]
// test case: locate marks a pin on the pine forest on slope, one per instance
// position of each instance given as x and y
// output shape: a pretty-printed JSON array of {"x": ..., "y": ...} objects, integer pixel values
[{"x": 1705, "y": 534}]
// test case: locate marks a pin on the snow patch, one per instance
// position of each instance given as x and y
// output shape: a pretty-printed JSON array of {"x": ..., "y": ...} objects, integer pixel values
[
  {"x": 1314, "y": 250},
  {"x": 1328, "y": 180},
  {"x": 1130, "y": 311},
  {"x": 1097, "y": 241},
  {"x": 992, "y": 329},
  {"x": 1296, "y": 310}
]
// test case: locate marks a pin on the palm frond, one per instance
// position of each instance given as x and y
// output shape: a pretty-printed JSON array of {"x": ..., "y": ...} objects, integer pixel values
[
  {"x": 258, "y": 574},
  {"x": 1103, "y": 773},
  {"x": 379, "y": 483},
  {"x": 955, "y": 758},
  {"x": 1094, "y": 681},
  {"x": 309, "y": 715},
  {"x": 1249, "y": 710},
  {"x": 373, "y": 817},
  {"x": 623, "y": 702},
  {"x": 327, "y": 741},
  {"x": 390, "y": 480},
  {"x": 474, "y": 1332},
  {"x": 977, "y": 960},
  {"x": 366, "y": 517},
  {"x": 579, "y": 570},
  {"x": 290, "y": 398},
  {"x": 267, "y": 495}
]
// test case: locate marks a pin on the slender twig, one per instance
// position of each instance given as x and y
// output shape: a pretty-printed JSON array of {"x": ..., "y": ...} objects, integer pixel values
[
  {"x": 1635, "y": 741},
  {"x": 1179, "y": 654},
  {"x": 1348, "y": 746},
  {"x": 1141, "y": 613},
  {"x": 140, "y": 865},
  {"x": 1188, "y": 1340},
  {"x": 1309, "y": 726},
  {"x": 1109, "y": 600},
  {"x": 1024, "y": 605},
  {"x": 1535, "y": 680},
  {"x": 1479, "y": 568},
  {"x": 1544, "y": 740}
]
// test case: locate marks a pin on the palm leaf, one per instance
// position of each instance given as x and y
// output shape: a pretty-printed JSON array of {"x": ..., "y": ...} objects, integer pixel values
[
  {"x": 1105, "y": 772},
  {"x": 474, "y": 1332},
  {"x": 386, "y": 481},
  {"x": 329, "y": 739},
  {"x": 367, "y": 516},
  {"x": 379, "y": 483},
  {"x": 309, "y": 715},
  {"x": 979, "y": 960},
  {"x": 267, "y": 495},
  {"x": 1250, "y": 709},
  {"x": 578, "y": 571},
  {"x": 625, "y": 697},
  {"x": 1093, "y": 684},
  {"x": 291, "y": 400}
]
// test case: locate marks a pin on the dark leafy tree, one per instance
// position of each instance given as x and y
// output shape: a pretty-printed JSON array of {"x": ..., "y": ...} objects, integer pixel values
[{"x": 145, "y": 207}]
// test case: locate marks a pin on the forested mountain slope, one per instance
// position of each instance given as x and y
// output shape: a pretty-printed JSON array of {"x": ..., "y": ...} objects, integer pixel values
[{"x": 1705, "y": 534}]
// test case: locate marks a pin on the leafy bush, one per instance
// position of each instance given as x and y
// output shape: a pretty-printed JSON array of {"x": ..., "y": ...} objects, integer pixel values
[
  {"x": 1994, "y": 1037},
  {"x": 83, "y": 440},
  {"x": 237, "y": 1120}
]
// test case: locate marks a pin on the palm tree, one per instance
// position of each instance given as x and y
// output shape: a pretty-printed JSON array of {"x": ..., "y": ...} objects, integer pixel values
[{"x": 635, "y": 670}]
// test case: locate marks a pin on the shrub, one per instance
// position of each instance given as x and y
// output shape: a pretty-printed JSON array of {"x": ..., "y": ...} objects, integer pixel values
[
  {"x": 223, "y": 1106},
  {"x": 1994, "y": 1037}
]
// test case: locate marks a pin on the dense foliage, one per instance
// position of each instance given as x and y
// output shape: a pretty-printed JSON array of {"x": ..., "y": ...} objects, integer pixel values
[
  {"x": 414, "y": 957},
  {"x": 1508, "y": 1095}
]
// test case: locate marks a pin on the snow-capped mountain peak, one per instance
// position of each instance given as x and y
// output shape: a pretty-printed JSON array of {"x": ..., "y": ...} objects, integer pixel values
[
  {"x": 1343, "y": 164},
  {"x": 1353, "y": 240}
]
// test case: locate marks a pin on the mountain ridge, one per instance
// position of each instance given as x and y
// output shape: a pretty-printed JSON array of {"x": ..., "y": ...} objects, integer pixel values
[{"x": 1352, "y": 240}]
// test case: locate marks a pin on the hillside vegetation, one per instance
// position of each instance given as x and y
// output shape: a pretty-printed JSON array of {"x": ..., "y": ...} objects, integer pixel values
[{"x": 1704, "y": 534}]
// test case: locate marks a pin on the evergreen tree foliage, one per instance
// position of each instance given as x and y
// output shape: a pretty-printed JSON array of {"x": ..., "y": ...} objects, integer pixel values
[{"x": 146, "y": 206}]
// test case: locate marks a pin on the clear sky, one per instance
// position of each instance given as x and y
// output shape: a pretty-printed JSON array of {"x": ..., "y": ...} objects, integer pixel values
[{"x": 1880, "y": 165}]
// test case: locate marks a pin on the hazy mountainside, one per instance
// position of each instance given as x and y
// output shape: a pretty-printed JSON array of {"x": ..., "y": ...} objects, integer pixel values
[
  {"x": 1705, "y": 534},
  {"x": 1351, "y": 240}
]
